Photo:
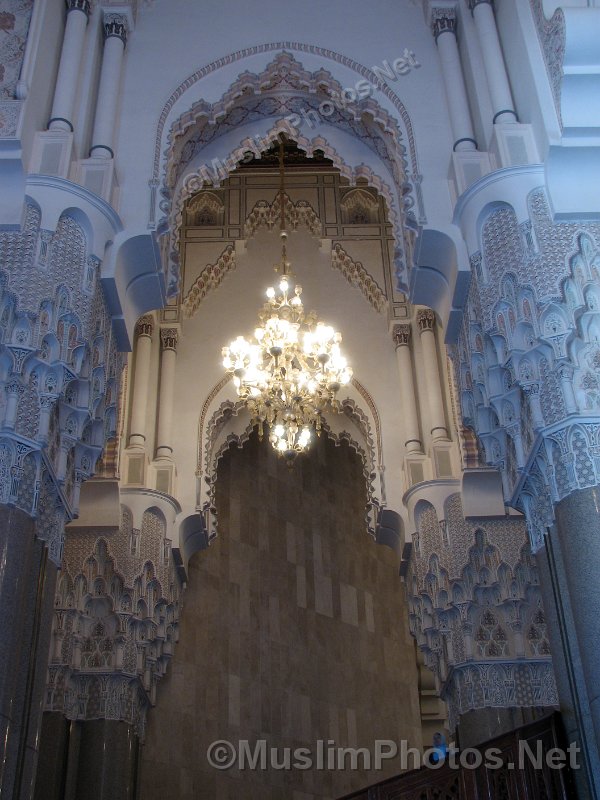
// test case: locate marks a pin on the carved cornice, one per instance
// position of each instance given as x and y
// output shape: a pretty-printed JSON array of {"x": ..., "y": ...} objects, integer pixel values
[
  {"x": 267, "y": 214},
  {"x": 210, "y": 277},
  {"x": 357, "y": 275}
]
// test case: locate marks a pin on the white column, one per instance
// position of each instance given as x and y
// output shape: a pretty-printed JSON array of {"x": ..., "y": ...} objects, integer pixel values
[
  {"x": 408, "y": 399},
  {"x": 70, "y": 65},
  {"x": 168, "y": 358},
  {"x": 444, "y": 30},
  {"x": 139, "y": 400},
  {"x": 14, "y": 391},
  {"x": 493, "y": 61},
  {"x": 433, "y": 384},
  {"x": 115, "y": 32}
]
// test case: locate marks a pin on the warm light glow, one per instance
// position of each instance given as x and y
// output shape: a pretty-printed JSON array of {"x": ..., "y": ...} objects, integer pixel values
[{"x": 290, "y": 370}]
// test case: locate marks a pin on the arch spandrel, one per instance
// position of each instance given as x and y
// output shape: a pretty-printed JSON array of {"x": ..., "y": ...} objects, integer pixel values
[{"x": 207, "y": 141}]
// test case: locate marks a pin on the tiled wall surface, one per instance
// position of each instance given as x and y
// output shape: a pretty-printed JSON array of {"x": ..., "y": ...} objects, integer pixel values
[{"x": 293, "y": 630}]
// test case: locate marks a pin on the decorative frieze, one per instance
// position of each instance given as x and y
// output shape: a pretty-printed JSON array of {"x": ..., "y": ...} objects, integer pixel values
[{"x": 357, "y": 275}]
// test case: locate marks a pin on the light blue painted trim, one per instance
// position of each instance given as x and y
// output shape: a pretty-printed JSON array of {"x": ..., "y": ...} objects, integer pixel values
[
  {"x": 68, "y": 187},
  {"x": 125, "y": 490},
  {"x": 493, "y": 177}
]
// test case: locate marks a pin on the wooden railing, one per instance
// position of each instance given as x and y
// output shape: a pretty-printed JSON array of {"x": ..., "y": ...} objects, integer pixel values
[{"x": 517, "y": 777}]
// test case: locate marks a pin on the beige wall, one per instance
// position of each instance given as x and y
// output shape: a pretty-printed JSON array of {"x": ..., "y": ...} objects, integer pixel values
[{"x": 294, "y": 629}]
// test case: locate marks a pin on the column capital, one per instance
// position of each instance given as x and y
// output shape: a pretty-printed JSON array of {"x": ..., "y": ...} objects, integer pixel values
[
  {"x": 443, "y": 20},
  {"x": 566, "y": 372},
  {"x": 116, "y": 25},
  {"x": 401, "y": 334},
  {"x": 145, "y": 326},
  {"x": 530, "y": 389},
  {"x": 15, "y": 388},
  {"x": 169, "y": 338},
  {"x": 79, "y": 5},
  {"x": 425, "y": 319},
  {"x": 474, "y": 3}
]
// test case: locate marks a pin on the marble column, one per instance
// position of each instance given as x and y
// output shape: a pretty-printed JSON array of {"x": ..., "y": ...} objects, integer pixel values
[
  {"x": 107, "y": 763},
  {"x": 578, "y": 534},
  {"x": 408, "y": 398},
  {"x": 86, "y": 760},
  {"x": 115, "y": 33},
  {"x": 444, "y": 31},
  {"x": 433, "y": 384},
  {"x": 482, "y": 724},
  {"x": 16, "y": 566},
  {"x": 493, "y": 61},
  {"x": 78, "y": 12},
  {"x": 27, "y": 584},
  {"x": 168, "y": 359},
  {"x": 139, "y": 401},
  {"x": 566, "y": 663},
  {"x": 41, "y": 607},
  {"x": 52, "y": 762}
]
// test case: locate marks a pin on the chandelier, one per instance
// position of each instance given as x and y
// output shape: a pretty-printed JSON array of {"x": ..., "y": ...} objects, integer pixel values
[{"x": 288, "y": 373}]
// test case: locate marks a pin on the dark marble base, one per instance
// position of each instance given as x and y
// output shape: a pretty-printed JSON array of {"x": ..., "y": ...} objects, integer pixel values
[
  {"x": 482, "y": 724},
  {"x": 93, "y": 760}
]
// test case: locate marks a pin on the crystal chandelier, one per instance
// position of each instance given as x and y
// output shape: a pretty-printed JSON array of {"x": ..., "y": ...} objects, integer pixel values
[{"x": 290, "y": 371}]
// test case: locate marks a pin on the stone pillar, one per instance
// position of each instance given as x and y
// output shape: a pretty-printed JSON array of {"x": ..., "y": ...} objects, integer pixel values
[
  {"x": 14, "y": 391},
  {"x": 47, "y": 402},
  {"x": 566, "y": 373},
  {"x": 139, "y": 400},
  {"x": 426, "y": 323},
  {"x": 408, "y": 399},
  {"x": 578, "y": 532},
  {"x": 444, "y": 31},
  {"x": 532, "y": 392},
  {"x": 168, "y": 359},
  {"x": 70, "y": 64},
  {"x": 115, "y": 32},
  {"x": 493, "y": 61}
]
